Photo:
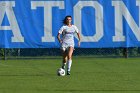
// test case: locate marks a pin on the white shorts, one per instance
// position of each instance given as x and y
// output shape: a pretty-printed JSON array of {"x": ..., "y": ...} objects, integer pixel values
[{"x": 66, "y": 46}]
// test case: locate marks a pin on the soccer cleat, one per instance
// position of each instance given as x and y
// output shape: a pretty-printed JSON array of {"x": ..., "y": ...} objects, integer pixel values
[
  {"x": 63, "y": 67},
  {"x": 68, "y": 72}
]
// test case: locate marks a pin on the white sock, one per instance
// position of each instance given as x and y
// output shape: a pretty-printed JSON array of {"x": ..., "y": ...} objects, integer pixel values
[{"x": 69, "y": 64}]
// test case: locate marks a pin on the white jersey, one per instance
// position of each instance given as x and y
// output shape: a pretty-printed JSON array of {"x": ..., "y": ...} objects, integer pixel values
[{"x": 68, "y": 35}]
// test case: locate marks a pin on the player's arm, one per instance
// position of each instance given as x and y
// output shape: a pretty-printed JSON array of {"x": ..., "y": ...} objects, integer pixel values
[
  {"x": 78, "y": 34},
  {"x": 79, "y": 37},
  {"x": 59, "y": 33},
  {"x": 58, "y": 37}
]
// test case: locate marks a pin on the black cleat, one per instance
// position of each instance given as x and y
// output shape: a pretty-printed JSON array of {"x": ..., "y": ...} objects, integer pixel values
[
  {"x": 68, "y": 72},
  {"x": 63, "y": 67}
]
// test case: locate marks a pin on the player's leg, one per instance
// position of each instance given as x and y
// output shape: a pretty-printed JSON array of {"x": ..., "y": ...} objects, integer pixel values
[
  {"x": 70, "y": 52},
  {"x": 64, "y": 54}
]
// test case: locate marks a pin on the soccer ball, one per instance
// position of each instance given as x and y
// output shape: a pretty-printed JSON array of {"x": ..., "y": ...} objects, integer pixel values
[{"x": 61, "y": 72}]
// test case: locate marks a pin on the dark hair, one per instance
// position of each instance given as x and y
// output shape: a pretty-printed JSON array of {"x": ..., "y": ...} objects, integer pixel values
[{"x": 65, "y": 20}]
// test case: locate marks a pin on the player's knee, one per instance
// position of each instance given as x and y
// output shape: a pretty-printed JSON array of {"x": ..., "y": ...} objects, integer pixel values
[
  {"x": 64, "y": 59},
  {"x": 69, "y": 57}
]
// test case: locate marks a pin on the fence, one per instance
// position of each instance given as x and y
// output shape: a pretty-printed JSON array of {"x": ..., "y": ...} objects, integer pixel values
[{"x": 41, "y": 53}]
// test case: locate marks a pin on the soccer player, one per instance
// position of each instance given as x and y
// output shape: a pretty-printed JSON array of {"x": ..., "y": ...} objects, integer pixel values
[{"x": 67, "y": 41}]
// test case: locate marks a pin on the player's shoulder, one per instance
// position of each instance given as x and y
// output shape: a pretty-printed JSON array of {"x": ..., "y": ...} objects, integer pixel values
[
  {"x": 64, "y": 26},
  {"x": 74, "y": 26}
]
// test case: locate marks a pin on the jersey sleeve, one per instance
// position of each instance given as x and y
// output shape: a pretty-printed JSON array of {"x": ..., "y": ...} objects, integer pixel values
[
  {"x": 76, "y": 29},
  {"x": 61, "y": 30}
]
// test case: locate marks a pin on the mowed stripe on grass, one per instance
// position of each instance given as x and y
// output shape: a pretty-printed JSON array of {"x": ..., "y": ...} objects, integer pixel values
[{"x": 88, "y": 75}]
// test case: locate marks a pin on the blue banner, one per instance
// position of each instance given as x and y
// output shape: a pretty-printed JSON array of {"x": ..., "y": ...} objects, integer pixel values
[{"x": 101, "y": 23}]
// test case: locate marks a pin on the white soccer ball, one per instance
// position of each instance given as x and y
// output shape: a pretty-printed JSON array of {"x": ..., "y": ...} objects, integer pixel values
[{"x": 61, "y": 72}]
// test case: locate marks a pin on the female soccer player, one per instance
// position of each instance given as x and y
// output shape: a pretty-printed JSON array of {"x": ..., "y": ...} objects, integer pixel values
[{"x": 67, "y": 41}]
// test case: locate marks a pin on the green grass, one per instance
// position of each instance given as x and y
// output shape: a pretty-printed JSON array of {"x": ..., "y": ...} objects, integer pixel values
[{"x": 88, "y": 75}]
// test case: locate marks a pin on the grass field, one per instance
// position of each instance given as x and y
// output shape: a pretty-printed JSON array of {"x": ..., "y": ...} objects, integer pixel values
[{"x": 88, "y": 75}]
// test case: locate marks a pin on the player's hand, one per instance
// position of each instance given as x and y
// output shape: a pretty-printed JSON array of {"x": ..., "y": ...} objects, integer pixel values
[
  {"x": 79, "y": 44},
  {"x": 60, "y": 41}
]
